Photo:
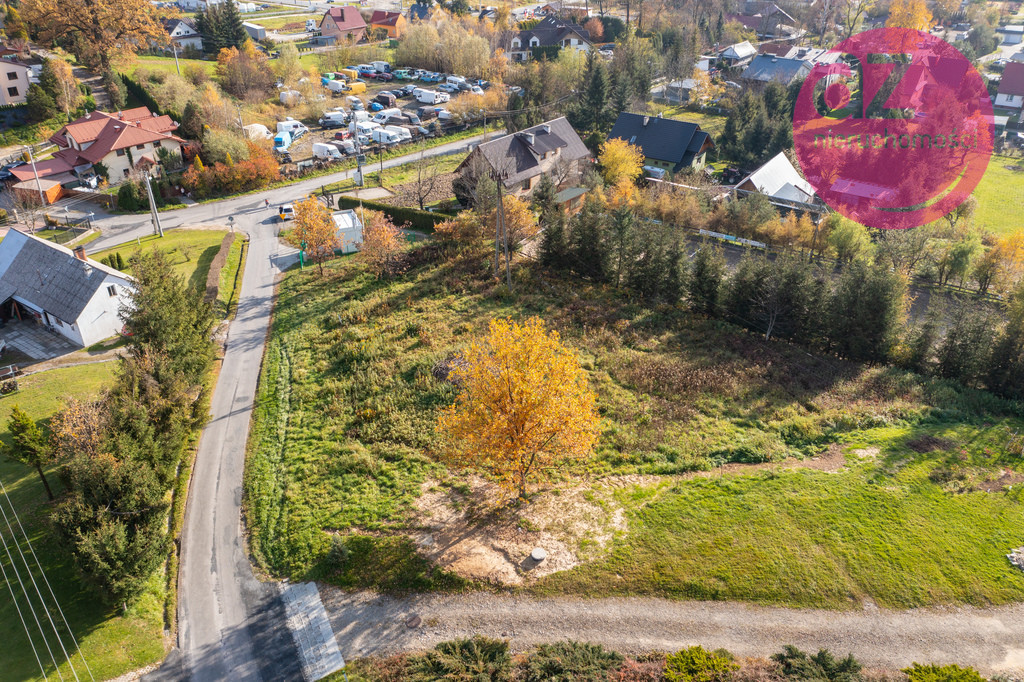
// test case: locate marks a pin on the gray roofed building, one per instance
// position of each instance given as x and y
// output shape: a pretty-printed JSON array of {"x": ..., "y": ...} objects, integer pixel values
[
  {"x": 521, "y": 158},
  {"x": 666, "y": 143},
  {"x": 766, "y": 68},
  {"x": 551, "y": 31},
  {"x": 60, "y": 288},
  {"x": 779, "y": 178}
]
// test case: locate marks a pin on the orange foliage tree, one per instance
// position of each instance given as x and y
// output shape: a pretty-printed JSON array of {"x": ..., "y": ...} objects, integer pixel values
[
  {"x": 314, "y": 231},
  {"x": 620, "y": 160},
  {"x": 258, "y": 171},
  {"x": 525, "y": 407},
  {"x": 382, "y": 243},
  {"x": 909, "y": 14},
  {"x": 463, "y": 232}
]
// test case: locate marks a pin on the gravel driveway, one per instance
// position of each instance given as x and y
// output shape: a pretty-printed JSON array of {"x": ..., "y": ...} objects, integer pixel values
[{"x": 991, "y": 640}]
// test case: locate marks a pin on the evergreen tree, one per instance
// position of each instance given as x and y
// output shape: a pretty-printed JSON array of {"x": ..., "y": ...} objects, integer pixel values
[
  {"x": 40, "y": 105},
  {"x": 866, "y": 311},
  {"x": 620, "y": 237},
  {"x": 921, "y": 343},
  {"x": 554, "y": 245},
  {"x": 705, "y": 281},
  {"x": 192, "y": 121},
  {"x": 590, "y": 257},
  {"x": 675, "y": 273},
  {"x": 1005, "y": 366},
  {"x": 963, "y": 352},
  {"x": 28, "y": 445},
  {"x": 221, "y": 27}
]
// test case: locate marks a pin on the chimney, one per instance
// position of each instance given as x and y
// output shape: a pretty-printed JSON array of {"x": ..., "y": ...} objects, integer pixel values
[
  {"x": 646, "y": 119},
  {"x": 79, "y": 252},
  {"x": 120, "y": 116},
  {"x": 529, "y": 138},
  {"x": 545, "y": 128}
]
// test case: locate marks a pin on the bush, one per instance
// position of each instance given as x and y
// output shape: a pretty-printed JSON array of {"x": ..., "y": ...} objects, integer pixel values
[
  {"x": 571, "y": 662},
  {"x": 821, "y": 666},
  {"x": 942, "y": 673},
  {"x": 128, "y": 197},
  {"x": 471, "y": 660},
  {"x": 3, "y": 217},
  {"x": 697, "y": 664},
  {"x": 423, "y": 221}
]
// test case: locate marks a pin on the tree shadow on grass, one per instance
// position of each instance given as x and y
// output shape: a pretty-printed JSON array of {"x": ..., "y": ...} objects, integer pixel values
[{"x": 203, "y": 263}]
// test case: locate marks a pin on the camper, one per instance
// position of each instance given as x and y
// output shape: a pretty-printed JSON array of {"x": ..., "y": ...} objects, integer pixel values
[
  {"x": 290, "y": 98},
  {"x": 429, "y": 97},
  {"x": 383, "y": 115},
  {"x": 282, "y": 141},
  {"x": 403, "y": 133},
  {"x": 292, "y": 126},
  {"x": 457, "y": 81},
  {"x": 322, "y": 150},
  {"x": 336, "y": 87},
  {"x": 385, "y": 137}
]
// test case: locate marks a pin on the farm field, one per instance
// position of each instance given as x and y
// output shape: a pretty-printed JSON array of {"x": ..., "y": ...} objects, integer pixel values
[
  {"x": 113, "y": 641},
  {"x": 166, "y": 64},
  {"x": 296, "y": 21},
  {"x": 839, "y": 483}
]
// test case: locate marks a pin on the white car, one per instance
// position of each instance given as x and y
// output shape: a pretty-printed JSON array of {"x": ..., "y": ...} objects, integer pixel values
[
  {"x": 285, "y": 212},
  {"x": 448, "y": 87},
  {"x": 476, "y": 90}
]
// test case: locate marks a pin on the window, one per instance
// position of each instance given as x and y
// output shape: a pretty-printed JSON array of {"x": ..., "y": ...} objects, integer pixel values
[
  {"x": 13, "y": 92},
  {"x": 120, "y": 152},
  {"x": 112, "y": 290},
  {"x": 140, "y": 146},
  {"x": 12, "y": 75},
  {"x": 125, "y": 172}
]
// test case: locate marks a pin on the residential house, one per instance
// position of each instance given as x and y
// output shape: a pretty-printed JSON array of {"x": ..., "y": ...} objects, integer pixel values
[
  {"x": 737, "y": 55},
  {"x": 521, "y": 158},
  {"x": 75, "y": 296},
  {"x": 418, "y": 11},
  {"x": 765, "y": 68},
  {"x": 1011, "y": 88},
  {"x": 122, "y": 141},
  {"x": 778, "y": 179},
  {"x": 666, "y": 143},
  {"x": 15, "y": 79},
  {"x": 674, "y": 92},
  {"x": 343, "y": 24},
  {"x": 349, "y": 232},
  {"x": 183, "y": 34},
  {"x": 1013, "y": 34},
  {"x": 551, "y": 31},
  {"x": 767, "y": 20},
  {"x": 391, "y": 22}
]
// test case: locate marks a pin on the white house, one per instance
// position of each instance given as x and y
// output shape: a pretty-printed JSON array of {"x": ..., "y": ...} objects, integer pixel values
[
  {"x": 15, "y": 79},
  {"x": 1011, "y": 87},
  {"x": 550, "y": 32},
  {"x": 779, "y": 179},
  {"x": 74, "y": 296},
  {"x": 1013, "y": 34},
  {"x": 184, "y": 34},
  {"x": 349, "y": 232}
]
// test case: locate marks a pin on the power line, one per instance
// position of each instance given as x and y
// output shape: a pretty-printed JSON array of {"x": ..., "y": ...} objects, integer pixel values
[
  {"x": 31, "y": 608},
  {"x": 24, "y": 625},
  {"x": 56, "y": 602}
]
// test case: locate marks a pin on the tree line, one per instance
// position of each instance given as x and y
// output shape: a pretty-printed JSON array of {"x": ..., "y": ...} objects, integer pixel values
[{"x": 117, "y": 457}]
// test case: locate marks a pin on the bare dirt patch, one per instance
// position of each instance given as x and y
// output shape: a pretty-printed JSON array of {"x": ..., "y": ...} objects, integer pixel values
[
  {"x": 1005, "y": 481},
  {"x": 468, "y": 533},
  {"x": 927, "y": 443}
]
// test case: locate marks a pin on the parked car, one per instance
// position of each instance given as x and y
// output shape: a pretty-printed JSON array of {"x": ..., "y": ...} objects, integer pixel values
[
  {"x": 405, "y": 91},
  {"x": 431, "y": 78},
  {"x": 403, "y": 74},
  {"x": 343, "y": 135},
  {"x": 384, "y": 77},
  {"x": 448, "y": 87},
  {"x": 285, "y": 212},
  {"x": 376, "y": 106},
  {"x": 367, "y": 71},
  {"x": 426, "y": 113},
  {"x": 477, "y": 90},
  {"x": 331, "y": 123}
]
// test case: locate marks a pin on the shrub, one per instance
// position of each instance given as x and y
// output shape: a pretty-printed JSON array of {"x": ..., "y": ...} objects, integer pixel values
[
  {"x": 571, "y": 662},
  {"x": 640, "y": 671},
  {"x": 128, "y": 197},
  {"x": 942, "y": 673},
  {"x": 697, "y": 664},
  {"x": 3, "y": 217},
  {"x": 821, "y": 666},
  {"x": 423, "y": 221},
  {"x": 470, "y": 660}
]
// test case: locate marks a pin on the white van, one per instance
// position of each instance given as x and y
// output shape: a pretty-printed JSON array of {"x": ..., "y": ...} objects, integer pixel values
[
  {"x": 383, "y": 115},
  {"x": 429, "y": 97},
  {"x": 366, "y": 128},
  {"x": 381, "y": 67},
  {"x": 337, "y": 87},
  {"x": 385, "y": 137},
  {"x": 403, "y": 133},
  {"x": 457, "y": 81},
  {"x": 326, "y": 151},
  {"x": 290, "y": 125}
]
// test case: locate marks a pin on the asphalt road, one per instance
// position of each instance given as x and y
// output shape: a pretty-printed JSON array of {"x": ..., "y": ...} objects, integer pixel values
[{"x": 230, "y": 625}]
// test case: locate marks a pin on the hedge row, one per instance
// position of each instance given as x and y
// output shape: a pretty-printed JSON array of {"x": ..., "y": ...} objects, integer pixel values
[
  {"x": 422, "y": 221},
  {"x": 140, "y": 93}
]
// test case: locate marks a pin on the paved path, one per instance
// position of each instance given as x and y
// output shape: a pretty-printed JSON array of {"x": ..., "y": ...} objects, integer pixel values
[{"x": 991, "y": 640}]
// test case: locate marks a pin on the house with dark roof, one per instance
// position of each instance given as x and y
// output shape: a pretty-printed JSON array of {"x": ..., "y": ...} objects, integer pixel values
[
  {"x": 183, "y": 34},
  {"x": 123, "y": 141},
  {"x": 73, "y": 295},
  {"x": 766, "y": 68},
  {"x": 393, "y": 23},
  {"x": 666, "y": 143},
  {"x": 1011, "y": 87},
  {"x": 737, "y": 55},
  {"x": 418, "y": 11},
  {"x": 521, "y": 158},
  {"x": 550, "y": 32},
  {"x": 343, "y": 24}
]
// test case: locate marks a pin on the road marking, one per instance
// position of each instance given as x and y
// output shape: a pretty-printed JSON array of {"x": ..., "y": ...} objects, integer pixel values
[{"x": 311, "y": 629}]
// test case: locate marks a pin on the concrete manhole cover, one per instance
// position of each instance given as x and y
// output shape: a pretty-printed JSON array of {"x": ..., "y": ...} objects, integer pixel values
[{"x": 413, "y": 622}]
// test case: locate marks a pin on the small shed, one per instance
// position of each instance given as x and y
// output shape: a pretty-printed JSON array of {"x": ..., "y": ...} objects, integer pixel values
[
  {"x": 255, "y": 31},
  {"x": 349, "y": 231},
  {"x": 29, "y": 189}
]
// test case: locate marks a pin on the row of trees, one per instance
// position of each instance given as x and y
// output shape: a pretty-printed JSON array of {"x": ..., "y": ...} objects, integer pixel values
[
  {"x": 118, "y": 456},
  {"x": 57, "y": 91},
  {"x": 257, "y": 170}
]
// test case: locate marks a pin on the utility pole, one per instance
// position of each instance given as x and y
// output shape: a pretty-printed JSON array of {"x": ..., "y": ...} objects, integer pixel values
[
  {"x": 157, "y": 228},
  {"x": 240, "y": 124},
  {"x": 174, "y": 47},
  {"x": 39, "y": 185}
]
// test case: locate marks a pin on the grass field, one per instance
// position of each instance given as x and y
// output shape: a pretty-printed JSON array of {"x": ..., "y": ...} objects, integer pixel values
[
  {"x": 275, "y": 23},
  {"x": 167, "y": 65},
  {"x": 112, "y": 641},
  {"x": 343, "y": 440},
  {"x": 709, "y": 123},
  {"x": 1000, "y": 195},
  {"x": 190, "y": 252}
]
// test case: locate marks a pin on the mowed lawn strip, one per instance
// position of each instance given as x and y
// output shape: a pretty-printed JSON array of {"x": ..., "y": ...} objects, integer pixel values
[
  {"x": 113, "y": 641},
  {"x": 1000, "y": 195},
  {"x": 190, "y": 251},
  {"x": 344, "y": 439}
]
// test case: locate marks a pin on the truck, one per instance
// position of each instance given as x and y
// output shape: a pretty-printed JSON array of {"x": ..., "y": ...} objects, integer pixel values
[
  {"x": 323, "y": 150},
  {"x": 385, "y": 136},
  {"x": 357, "y": 87},
  {"x": 383, "y": 115},
  {"x": 429, "y": 97},
  {"x": 282, "y": 141},
  {"x": 381, "y": 67},
  {"x": 350, "y": 74},
  {"x": 403, "y": 133}
]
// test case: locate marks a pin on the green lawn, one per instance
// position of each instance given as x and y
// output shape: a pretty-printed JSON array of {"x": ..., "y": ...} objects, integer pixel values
[
  {"x": 1000, "y": 195},
  {"x": 343, "y": 438},
  {"x": 167, "y": 65},
  {"x": 275, "y": 23},
  {"x": 709, "y": 123},
  {"x": 190, "y": 251},
  {"x": 112, "y": 641}
]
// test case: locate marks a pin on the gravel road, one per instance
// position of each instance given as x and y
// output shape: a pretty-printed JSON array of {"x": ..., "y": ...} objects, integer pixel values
[{"x": 991, "y": 639}]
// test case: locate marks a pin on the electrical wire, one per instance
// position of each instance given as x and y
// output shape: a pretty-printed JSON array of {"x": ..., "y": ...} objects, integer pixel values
[
  {"x": 32, "y": 551},
  {"x": 24, "y": 625}
]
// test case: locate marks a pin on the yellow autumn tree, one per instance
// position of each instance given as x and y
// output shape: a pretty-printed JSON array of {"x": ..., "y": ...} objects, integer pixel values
[
  {"x": 520, "y": 221},
  {"x": 909, "y": 14},
  {"x": 314, "y": 231},
  {"x": 620, "y": 160},
  {"x": 464, "y": 232},
  {"x": 525, "y": 407},
  {"x": 382, "y": 243}
]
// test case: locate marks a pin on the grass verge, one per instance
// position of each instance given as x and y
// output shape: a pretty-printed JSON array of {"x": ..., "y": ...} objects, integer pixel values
[{"x": 190, "y": 251}]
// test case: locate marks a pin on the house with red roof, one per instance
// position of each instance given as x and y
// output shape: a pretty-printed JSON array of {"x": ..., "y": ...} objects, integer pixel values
[
  {"x": 121, "y": 141},
  {"x": 343, "y": 24},
  {"x": 1011, "y": 87},
  {"x": 392, "y": 22}
]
